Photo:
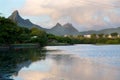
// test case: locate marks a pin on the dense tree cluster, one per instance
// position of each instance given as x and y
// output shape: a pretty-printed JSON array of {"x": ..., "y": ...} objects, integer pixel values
[
  {"x": 10, "y": 33},
  {"x": 38, "y": 36}
]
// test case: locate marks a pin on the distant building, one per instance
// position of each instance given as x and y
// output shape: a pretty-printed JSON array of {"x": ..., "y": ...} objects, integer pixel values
[
  {"x": 66, "y": 35},
  {"x": 118, "y": 35},
  {"x": 109, "y": 36},
  {"x": 87, "y": 36},
  {"x": 104, "y": 36}
]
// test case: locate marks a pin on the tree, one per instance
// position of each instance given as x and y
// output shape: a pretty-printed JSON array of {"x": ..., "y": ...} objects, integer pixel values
[
  {"x": 41, "y": 36},
  {"x": 80, "y": 36},
  {"x": 100, "y": 35},
  {"x": 106, "y": 35},
  {"x": 93, "y": 35},
  {"x": 114, "y": 35},
  {"x": 8, "y": 31},
  {"x": 24, "y": 35}
]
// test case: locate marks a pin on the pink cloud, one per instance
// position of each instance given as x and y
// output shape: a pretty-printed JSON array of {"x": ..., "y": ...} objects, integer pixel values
[{"x": 81, "y": 12}]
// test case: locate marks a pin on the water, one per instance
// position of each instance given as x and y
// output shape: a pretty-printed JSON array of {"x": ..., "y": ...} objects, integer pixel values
[{"x": 76, "y": 62}]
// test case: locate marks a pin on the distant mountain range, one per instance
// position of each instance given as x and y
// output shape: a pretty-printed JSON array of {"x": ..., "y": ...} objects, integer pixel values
[
  {"x": 104, "y": 31},
  {"x": 58, "y": 29}
]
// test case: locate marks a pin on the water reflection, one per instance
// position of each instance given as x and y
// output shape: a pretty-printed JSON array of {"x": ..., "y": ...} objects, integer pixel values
[
  {"x": 66, "y": 65},
  {"x": 11, "y": 62},
  {"x": 79, "y": 62}
]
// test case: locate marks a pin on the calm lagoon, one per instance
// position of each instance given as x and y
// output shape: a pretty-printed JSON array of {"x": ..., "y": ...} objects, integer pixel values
[{"x": 75, "y": 62}]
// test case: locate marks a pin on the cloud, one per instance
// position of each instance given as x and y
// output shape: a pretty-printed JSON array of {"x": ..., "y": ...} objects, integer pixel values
[{"x": 90, "y": 14}]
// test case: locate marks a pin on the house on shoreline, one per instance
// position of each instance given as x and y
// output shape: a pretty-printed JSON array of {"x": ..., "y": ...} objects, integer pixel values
[{"x": 104, "y": 36}]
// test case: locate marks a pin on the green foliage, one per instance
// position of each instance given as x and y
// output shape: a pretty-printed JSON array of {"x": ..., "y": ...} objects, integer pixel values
[
  {"x": 9, "y": 31},
  {"x": 101, "y": 39},
  {"x": 113, "y": 41},
  {"x": 93, "y": 35},
  {"x": 24, "y": 35},
  {"x": 41, "y": 36},
  {"x": 114, "y": 34},
  {"x": 100, "y": 35}
]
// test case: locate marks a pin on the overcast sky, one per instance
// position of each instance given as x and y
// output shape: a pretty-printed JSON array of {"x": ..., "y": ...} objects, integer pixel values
[{"x": 83, "y": 14}]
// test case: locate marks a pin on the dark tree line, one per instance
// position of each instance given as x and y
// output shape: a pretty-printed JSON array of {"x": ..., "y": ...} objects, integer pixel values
[{"x": 11, "y": 33}]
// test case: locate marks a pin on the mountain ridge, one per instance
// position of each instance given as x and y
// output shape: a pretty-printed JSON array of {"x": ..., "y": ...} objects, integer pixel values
[
  {"x": 66, "y": 29},
  {"x": 103, "y": 31},
  {"x": 58, "y": 29},
  {"x": 15, "y": 17}
]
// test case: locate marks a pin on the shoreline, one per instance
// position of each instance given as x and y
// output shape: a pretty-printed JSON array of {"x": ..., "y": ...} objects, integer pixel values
[
  {"x": 18, "y": 46},
  {"x": 31, "y": 45}
]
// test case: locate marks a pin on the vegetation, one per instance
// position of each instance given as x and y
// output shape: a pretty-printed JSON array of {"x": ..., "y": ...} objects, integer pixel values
[
  {"x": 114, "y": 35},
  {"x": 11, "y": 33},
  {"x": 95, "y": 39},
  {"x": 38, "y": 36},
  {"x": 8, "y": 31}
]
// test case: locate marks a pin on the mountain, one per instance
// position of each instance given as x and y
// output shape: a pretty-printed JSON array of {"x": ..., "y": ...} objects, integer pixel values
[
  {"x": 58, "y": 29},
  {"x": 104, "y": 31},
  {"x": 66, "y": 29},
  {"x": 22, "y": 22},
  {"x": 70, "y": 29}
]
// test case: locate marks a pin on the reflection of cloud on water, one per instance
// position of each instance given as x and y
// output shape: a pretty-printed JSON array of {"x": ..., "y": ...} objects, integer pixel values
[
  {"x": 72, "y": 68},
  {"x": 68, "y": 67},
  {"x": 56, "y": 52},
  {"x": 34, "y": 75},
  {"x": 51, "y": 48}
]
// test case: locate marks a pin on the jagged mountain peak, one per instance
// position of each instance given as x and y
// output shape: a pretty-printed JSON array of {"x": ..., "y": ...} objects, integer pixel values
[
  {"x": 68, "y": 24},
  {"x": 58, "y": 29},
  {"x": 15, "y": 16},
  {"x": 67, "y": 29},
  {"x": 58, "y": 24},
  {"x": 70, "y": 27},
  {"x": 16, "y": 12}
]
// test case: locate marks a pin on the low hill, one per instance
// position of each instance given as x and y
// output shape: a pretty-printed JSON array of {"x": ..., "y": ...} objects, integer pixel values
[{"x": 104, "y": 31}]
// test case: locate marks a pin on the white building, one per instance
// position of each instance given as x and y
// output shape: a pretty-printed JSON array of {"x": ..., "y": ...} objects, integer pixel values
[{"x": 87, "y": 36}]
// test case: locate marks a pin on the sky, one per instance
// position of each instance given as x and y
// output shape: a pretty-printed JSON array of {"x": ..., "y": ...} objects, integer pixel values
[{"x": 83, "y": 14}]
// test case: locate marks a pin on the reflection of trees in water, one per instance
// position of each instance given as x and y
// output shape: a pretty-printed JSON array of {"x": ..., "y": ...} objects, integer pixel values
[{"x": 12, "y": 61}]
